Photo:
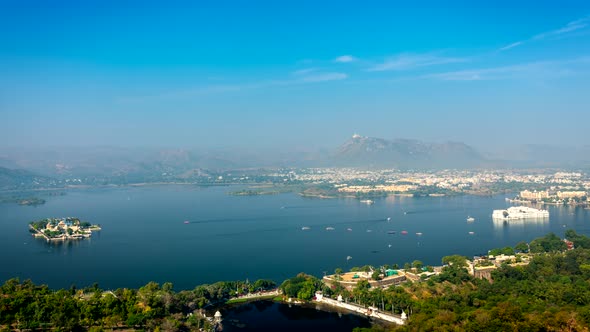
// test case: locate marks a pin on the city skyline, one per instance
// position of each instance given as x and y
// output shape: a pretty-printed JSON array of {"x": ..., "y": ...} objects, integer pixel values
[{"x": 263, "y": 74}]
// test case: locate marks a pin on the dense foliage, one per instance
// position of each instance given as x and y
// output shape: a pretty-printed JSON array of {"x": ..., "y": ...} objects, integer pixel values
[
  {"x": 24, "y": 305},
  {"x": 302, "y": 286},
  {"x": 551, "y": 293}
]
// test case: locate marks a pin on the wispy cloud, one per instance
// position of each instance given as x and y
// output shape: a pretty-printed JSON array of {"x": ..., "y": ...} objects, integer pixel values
[
  {"x": 304, "y": 76},
  {"x": 561, "y": 32},
  {"x": 324, "y": 77},
  {"x": 507, "y": 47},
  {"x": 412, "y": 61},
  {"x": 305, "y": 71},
  {"x": 310, "y": 75},
  {"x": 545, "y": 69},
  {"x": 570, "y": 27},
  {"x": 345, "y": 59}
]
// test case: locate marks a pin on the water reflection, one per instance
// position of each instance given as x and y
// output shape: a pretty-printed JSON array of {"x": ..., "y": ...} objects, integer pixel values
[
  {"x": 270, "y": 316},
  {"x": 520, "y": 227},
  {"x": 520, "y": 223},
  {"x": 63, "y": 247}
]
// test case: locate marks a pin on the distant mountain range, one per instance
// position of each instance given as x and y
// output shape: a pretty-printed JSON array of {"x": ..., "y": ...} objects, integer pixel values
[
  {"x": 22, "y": 167},
  {"x": 19, "y": 179},
  {"x": 405, "y": 153}
]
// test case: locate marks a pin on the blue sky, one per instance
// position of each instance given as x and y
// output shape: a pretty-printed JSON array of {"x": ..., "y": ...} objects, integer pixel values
[{"x": 300, "y": 74}]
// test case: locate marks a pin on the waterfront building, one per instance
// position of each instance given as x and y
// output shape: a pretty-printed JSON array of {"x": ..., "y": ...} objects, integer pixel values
[
  {"x": 570, "y": 194},
  {"x": 534, "y": 195},
  {"x": 350, "y": 279},
  {"x": 519, "y": 212}
]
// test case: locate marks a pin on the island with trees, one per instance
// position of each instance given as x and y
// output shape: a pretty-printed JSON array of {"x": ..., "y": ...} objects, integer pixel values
[{"x": 60, "y": 229}]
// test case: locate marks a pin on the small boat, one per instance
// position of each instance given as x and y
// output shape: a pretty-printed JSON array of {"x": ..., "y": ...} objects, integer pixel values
[
  {"x": 329, "y": 228},
  {"x": 388, "y": 218},
  {"x": 349, "y": 229},
  {"x": 369, "y": 231},
  {"x": 419, "y": 233},
  {"x": 404, "y": 232},
  {"x": 348, "y": 258},
  {"x": 187, "y": 222},
  {"x": 471, "y": 233},
  {"x": 470, "y": 219},
  {"x": 305, "y": 228},
  {"x": 367, "y": 201},
  {"x": 390, "y": 232},
  {"x": 389, "y": 245}
]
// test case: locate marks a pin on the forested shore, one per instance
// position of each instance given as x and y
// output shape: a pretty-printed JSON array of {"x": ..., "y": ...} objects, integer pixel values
[{"x": 551, "y": 293}]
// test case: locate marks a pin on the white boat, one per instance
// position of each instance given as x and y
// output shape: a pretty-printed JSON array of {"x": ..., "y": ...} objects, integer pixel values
[
  {"x": 470, "y": 219},
  {"x": 329, "y": 228},
  {"x": 471, "y": 233},
  {"x": 305, "y": 228},
  {"x": 388, "y": 218},
  {"x": 367, "y": 201}
]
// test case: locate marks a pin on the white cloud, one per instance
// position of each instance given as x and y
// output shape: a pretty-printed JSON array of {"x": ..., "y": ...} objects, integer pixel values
[
  {"x": 570, "y": 27},
  {"x": 324, "y": 77},
  {"x": 561, "y": 32},
  {"x": 412, "y": 61},
  {"x": 304, "y": 76},
  {"x": 345, "y": 59},
  {"x": 304, "y": 71},
  {"x": 540, "y": 69},
  {"x": 507, "y": 47}
]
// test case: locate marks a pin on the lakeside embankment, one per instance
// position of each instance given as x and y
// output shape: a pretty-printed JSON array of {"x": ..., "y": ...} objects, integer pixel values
[{"x": 371, "y": 312}]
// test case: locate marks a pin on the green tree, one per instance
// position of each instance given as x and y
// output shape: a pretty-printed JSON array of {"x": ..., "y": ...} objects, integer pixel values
[
  {"x": 522, "y": 246},
  {"x": 417, "y": 264},
  {"x": 455, "y": 260},
  {"x": 376, "y": 275}
]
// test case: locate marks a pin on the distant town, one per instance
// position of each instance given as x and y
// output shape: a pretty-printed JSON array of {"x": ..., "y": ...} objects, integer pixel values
[
  {"x": 542, "y": 186},
  {"x": 534, "y": 186}
]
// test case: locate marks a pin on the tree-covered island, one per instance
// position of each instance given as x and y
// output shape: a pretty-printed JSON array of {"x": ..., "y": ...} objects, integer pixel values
[{"x": 69, "y": 228}]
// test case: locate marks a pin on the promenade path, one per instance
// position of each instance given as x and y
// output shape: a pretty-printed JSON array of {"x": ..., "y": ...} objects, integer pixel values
[{"x": 369, "y": 312}]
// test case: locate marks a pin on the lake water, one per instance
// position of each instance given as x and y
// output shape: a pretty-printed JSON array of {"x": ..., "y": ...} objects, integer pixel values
[
  {"x": 144, "y": 236},
  {"x": 268, "y": 316}
]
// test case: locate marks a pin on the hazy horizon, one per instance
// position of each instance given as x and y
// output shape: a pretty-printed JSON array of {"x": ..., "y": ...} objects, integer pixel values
[{"x": 266, "y": 75}]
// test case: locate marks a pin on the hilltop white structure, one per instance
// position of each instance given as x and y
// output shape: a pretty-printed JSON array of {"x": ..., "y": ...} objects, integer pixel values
[{"x": 520, "y": 212}]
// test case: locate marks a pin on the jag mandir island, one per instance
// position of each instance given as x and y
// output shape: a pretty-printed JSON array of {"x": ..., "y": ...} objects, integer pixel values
[{"x": 57, "y": 229}]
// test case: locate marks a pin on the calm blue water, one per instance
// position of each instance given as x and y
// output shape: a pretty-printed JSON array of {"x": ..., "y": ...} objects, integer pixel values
[
  {"x": 144, "y": 237},
  {"x": 268, "y": 316}
]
